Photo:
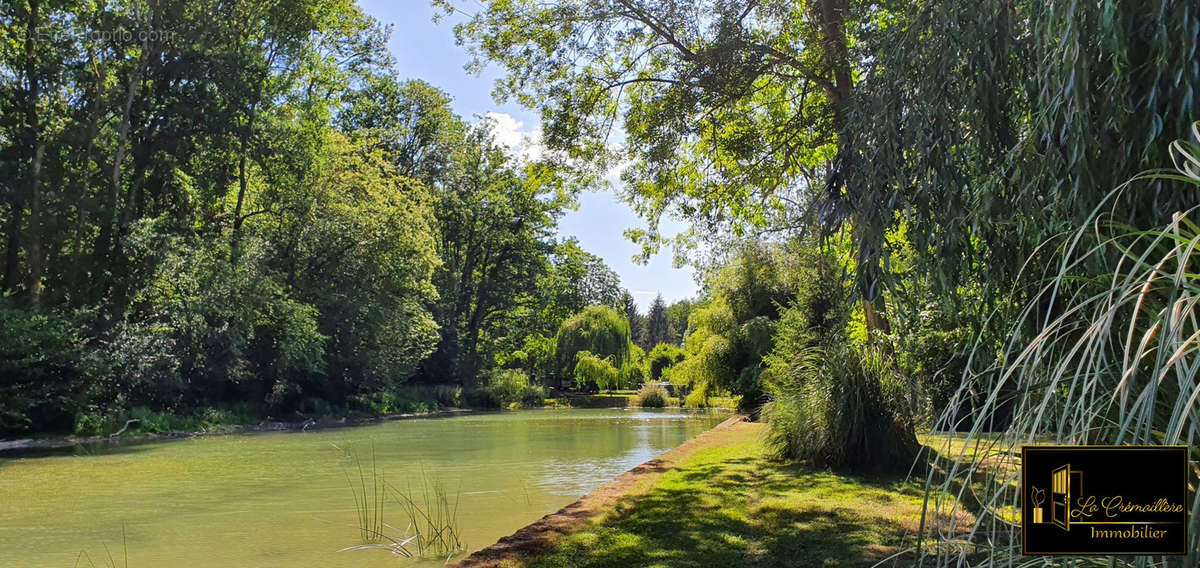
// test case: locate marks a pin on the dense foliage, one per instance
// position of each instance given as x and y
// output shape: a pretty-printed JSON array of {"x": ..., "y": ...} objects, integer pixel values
[
  {"x": 903, "y": 214},
  {"x": 930, "y": 149},
  {"x": 252, "y": 212},
  {"x": 595, "y": 341},
  {"x": 660, "y": 359}
]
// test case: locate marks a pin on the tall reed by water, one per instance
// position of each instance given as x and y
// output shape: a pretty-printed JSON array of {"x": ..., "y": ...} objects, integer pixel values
[
  {"x": 427, "y": 508},
  {"x": 1115, "y": 363},
  {"x": 367, "y": 486},
  {"x": 109, "y": 561},
  {"x": 433, "y": 519}
]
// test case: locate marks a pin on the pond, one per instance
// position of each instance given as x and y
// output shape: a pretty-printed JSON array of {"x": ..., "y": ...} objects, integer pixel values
[{"x": 285, "y": 499}]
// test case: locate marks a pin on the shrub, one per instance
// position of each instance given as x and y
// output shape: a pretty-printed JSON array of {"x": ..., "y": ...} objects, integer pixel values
[
  {"x": 652, "y": 395},
  {"x": 93, "y": 423},
  {"x": 509, "y": 387},
  {"x": 409, "y": 398},
  {"x": 40, "y": 370},
  {"x": 840, "y": 410}
]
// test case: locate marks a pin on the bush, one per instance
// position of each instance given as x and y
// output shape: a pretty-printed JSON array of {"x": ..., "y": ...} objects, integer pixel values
[
  {"x": 840, "y": 409},
  {"x": 93, "y": 423},
  {"x": 142, "y": 420},
  {"x": 410, "y": 398},
  {"x": 651, "y": 395},
  {"x": 41, "y": 371},
  {"x": 507, "y": 388}
]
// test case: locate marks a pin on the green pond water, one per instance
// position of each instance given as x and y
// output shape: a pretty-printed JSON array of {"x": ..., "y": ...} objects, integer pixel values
[{"x": 283, "y": 499}]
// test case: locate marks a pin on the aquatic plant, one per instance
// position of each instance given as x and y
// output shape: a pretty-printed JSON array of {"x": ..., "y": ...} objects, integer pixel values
[
  {"x": 433, "y": 520},
  {"x": 109, "y": 561},
  {"x": 430, "y": 514},
  {"x": 369, "y": 504}
]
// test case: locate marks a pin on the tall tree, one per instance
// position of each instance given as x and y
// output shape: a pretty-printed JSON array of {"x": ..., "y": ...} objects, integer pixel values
[
  {"x": 658, "y": 325},
  {"x": 735, "y": 115},
  {"x": 1066, "y": 103},
  {"x": 411, "y": 121},
  {"x": 637, "y": 321},
  {"x": 597, "y": 331},
  {"x": 495, "y": 219},
  {"x": 678, "y": 313},
  {"x": 495, "y": 225}
]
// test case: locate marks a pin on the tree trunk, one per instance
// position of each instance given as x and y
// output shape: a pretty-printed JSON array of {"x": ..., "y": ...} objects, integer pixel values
[
  {"x": 876, "y": 319},
  {"x": 37, "y": 146},
  {"x": 235, "y": 238},
  {"x": 12, "y": 239},
  {"x": 831, "y": 15},
  {"x": 97, "y": 107},
  {"x": 106, "y": 244}
]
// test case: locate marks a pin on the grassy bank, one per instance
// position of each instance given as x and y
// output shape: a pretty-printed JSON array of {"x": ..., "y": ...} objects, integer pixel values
[{"x": 729, "y": 504}]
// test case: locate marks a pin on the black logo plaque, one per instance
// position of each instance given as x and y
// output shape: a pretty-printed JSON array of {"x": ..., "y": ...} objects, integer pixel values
[{"x": 1104, "y": 500}]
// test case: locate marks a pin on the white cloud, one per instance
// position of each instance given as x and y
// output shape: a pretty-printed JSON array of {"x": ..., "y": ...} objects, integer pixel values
[{"x": 510, "y": 132}]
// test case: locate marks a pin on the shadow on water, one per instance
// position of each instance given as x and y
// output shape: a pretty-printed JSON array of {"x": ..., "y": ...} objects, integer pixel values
[{"x": 80, "y": 450}]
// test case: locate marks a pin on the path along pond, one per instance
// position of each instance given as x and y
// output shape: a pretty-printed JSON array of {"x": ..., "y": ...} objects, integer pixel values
[{"x": 285, "y": 499}]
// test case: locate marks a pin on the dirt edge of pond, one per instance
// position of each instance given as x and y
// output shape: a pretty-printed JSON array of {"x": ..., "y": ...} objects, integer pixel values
[
  {"x": 16, "y": 446},
  {"x": 541, "y": 535}
]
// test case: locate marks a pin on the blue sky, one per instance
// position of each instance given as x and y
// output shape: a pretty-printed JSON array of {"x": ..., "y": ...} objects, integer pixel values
[{"x": 425, "y": 50}]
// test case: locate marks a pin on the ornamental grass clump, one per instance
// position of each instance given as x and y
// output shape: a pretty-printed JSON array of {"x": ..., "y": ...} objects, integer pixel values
[{"x": 651, "y": 395}]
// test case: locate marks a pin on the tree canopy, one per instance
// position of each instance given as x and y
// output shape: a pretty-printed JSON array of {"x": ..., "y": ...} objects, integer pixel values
[
  {"x": 256, "y": 210},
  {"x": 600, "y": 331}
]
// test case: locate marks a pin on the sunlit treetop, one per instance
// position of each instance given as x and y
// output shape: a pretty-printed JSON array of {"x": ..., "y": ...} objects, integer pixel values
[{"x": 719, "y": 112}]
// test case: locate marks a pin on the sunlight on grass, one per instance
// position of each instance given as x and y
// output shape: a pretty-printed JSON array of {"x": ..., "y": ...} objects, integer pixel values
[{"x": 731, "y": 505}]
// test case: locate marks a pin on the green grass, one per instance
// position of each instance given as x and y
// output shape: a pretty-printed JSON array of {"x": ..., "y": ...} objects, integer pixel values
[{"x": 731, "y": 505}]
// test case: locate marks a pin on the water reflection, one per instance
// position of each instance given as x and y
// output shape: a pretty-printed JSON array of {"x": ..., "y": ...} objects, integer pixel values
[{"x": 281, "y": 499}]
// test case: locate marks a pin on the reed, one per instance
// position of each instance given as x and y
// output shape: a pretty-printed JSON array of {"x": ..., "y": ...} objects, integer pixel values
[
  {"x": 428, "y": 509},
  {"x": 1114, "y": 362},
  {"x": 432, "y": 517},
  {"x": 368, "y": 488},
  {"x": 109, "y": 561}
]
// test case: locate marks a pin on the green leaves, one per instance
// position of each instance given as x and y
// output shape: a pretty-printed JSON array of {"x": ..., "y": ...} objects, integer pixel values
[
  {"x": 599, "y": 331},
  {"x": 1115, "y": 363},
  {"x": 721, "y": 110}
]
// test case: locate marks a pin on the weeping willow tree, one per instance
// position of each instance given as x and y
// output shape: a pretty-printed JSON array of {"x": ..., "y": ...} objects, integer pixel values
[
  {"x": 591, "y": 370},
  {"x": 984, "y": 127},
  {"x": 996, "y": 131},
  {"x": 1117, "y": 365},
  {"x": 598, "y": 330}
]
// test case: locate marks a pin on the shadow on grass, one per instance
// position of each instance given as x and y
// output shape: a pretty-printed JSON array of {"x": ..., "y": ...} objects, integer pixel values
[{"x": 745, "y": 510}]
